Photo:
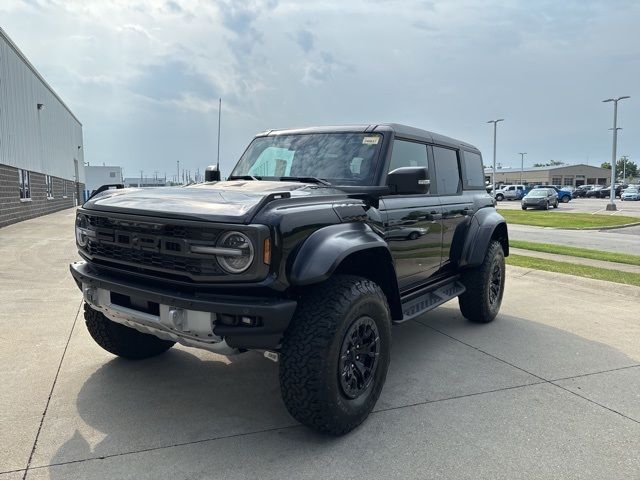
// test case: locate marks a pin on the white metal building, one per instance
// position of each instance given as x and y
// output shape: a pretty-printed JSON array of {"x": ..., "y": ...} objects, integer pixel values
[
  {"x": 96, "y": 176},
  {"x": 41, "y": 150}
]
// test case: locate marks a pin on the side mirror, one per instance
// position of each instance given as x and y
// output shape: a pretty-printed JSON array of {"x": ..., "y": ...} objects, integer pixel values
[
  {"x": 408, "y": 180},
  {"x": 212, "y": 174}
]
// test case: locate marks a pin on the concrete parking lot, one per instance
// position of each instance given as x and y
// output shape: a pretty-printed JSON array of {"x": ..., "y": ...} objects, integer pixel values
[
  {"x": 551, "y": 389},
  {"x": 586, "y": 205}
]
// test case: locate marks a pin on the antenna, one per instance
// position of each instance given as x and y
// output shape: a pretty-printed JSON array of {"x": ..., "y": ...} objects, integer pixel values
[{"x": 219, "y": 118}]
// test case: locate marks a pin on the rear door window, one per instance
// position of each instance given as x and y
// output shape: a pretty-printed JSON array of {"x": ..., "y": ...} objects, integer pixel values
[
  {"x": 447, "y": 170},
  {"x": 472, "y": 171}
]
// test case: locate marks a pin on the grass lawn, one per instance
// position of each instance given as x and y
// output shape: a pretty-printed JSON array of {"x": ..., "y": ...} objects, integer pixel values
[
  {"x": 577, "y": 252},
  {"x": 542, "y": 218},
  {"x": 572, "y": 269}
]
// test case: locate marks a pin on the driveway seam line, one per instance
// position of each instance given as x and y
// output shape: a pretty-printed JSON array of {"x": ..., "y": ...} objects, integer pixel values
[
  {"x": 595, "y": 403},
  {"x": 595, "y": 373},
  {"x": 53, "y": 386},
  {"x": 274, "y": 429},
  {"x": 482, "y": 351},
  {"x": 162, "y": 447},
  {"x": 457, "y": 397}
]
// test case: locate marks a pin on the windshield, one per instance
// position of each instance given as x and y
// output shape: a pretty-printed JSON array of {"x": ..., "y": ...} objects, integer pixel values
[
  {"x": 339, "y": 158},
  {"x": 538, "y": 192}
]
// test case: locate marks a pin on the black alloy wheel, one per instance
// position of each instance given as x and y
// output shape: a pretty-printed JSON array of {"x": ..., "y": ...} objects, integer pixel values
[
  {"x": 359, "y": 357},
  {"x": 495, "y": 285}
]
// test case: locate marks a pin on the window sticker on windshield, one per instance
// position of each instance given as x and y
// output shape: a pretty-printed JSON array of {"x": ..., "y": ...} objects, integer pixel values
[{"x": 371, "y": 140}]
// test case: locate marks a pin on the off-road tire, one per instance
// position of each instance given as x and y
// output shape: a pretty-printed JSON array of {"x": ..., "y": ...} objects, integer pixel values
[
  {"x": 475, "y": 303},
  {"x": 311, "y": 353},
  {"x": 120, "y": 340}
]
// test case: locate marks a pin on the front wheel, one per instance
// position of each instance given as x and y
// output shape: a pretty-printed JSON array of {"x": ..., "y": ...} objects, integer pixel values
[
  {"x": 335, "y": 354},
  {"x": 499, "y": 197},
  {"x": 555, "y": 205},
  {"x": 565, "y": 199},
  {"x": 482, "y": 298},
  {"x": 523, "y": 207},
  {"x": 120, "y": 340}
]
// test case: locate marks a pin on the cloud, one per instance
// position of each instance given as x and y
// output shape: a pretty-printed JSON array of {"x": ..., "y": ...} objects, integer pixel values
[
  {"x": 305, "y": 40},
  {"x": 174, "y": 81}
]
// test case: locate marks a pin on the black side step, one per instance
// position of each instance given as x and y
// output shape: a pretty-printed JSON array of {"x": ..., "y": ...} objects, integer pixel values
[{"x": 415, "y": 305}]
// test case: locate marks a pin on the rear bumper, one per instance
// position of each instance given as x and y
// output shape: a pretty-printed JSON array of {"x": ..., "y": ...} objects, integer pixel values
[{"x": 193, "y": 319}]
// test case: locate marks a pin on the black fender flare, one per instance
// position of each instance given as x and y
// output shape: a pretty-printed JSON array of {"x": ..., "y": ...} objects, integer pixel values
[
  {"x": 485, "y": 225},
  {"x": 324, "y": 250},
  {"x": 353, "y": 248}
]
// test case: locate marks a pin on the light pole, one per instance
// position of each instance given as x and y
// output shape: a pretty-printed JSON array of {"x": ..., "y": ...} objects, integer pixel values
[
  {"x": 493, "y": 175},
  {"x": 522, "y": 154},
  {"x": 612, "y": 196},
  {"x": 624, "y": 159}
]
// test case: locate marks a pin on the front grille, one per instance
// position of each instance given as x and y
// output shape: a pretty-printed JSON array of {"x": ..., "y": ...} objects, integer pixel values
[{"x": 152, "y": 248}]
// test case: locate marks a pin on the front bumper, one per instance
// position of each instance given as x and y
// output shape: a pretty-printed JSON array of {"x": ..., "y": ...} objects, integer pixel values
[{"x": 192, "y": 319}]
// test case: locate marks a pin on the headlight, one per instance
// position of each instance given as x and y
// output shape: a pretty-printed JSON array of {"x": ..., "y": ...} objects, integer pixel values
[
  {"x": 240, "y": 252},
  {"x": 82, "y": 232}
]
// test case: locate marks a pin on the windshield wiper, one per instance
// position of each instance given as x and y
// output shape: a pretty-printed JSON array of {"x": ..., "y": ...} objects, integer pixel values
[
  {"x": 243, "y": 177},
  {"x": 306, "y": 180}
]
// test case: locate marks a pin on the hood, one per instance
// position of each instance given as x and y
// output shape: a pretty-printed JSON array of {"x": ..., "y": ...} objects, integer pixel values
[{"x": 235, "y": 201}]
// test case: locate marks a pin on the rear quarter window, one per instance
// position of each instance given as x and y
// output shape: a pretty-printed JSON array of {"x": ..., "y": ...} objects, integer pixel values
[{"x": 472, "y": 171}]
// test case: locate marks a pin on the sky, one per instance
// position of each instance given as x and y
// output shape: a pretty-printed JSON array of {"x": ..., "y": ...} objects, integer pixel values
[{"x": 144, "y": 76}]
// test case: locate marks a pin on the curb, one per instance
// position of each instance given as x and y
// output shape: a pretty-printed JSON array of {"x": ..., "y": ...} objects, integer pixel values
[{"x": 610, "y": 227}]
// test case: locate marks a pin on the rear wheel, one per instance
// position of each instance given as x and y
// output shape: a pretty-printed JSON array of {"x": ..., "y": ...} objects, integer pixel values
[
  {"x": 499, "y": 197},
  {"x": 481, "y": 301},
  {"x": 120, "y": 340},
  {"x": 335, "y": 354}
]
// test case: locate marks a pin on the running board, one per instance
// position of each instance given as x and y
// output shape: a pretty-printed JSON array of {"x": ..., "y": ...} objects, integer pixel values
[{"x": 421, "y": 302}]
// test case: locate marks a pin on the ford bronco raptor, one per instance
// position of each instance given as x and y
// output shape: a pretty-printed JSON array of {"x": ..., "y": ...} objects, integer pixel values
[{"x": 318, "y": 241}]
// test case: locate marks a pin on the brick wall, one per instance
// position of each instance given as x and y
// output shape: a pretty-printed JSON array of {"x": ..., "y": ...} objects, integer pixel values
[{"x": 13, "y": 210}]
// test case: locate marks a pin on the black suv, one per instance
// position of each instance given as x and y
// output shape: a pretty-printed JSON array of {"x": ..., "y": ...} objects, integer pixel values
[{"x": 319, "y": 240}]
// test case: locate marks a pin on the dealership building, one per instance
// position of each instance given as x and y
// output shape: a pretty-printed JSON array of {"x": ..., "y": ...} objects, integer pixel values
[
  {"x": 565, "y": 175},
  {"x": 41, "y": 151}
]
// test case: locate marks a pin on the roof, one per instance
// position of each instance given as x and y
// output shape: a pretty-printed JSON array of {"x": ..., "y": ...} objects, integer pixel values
[
  {"x": 22, "y": 56},
  {"x": 405, "y": 131}
]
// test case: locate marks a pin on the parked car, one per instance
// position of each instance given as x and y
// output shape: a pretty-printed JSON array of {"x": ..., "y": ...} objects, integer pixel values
[
  {"x": 564, "y": 196},
  {"x": 540, "y": 198},
  {"x": 289, "y": 257},
  {"x": 595, "y": 192},
  {"x": 605, "y": 192},
  {"x": 582, "y": 191},
  {"x": 510, "y": 192},
  {"x": 630, "y": 193}
]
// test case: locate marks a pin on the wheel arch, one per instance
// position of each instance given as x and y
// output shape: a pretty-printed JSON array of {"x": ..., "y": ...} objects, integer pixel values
[
  {"x": 351, "y": 248},
  {"x": 486, "y": 226}
]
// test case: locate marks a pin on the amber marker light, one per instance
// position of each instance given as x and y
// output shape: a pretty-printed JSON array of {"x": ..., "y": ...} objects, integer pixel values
[{"x": 266, "y": 251}]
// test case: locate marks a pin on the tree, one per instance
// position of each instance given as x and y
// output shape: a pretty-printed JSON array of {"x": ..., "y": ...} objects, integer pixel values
[
  {"x": 631, "y": 169},
  {"x": 551, "y": 163}
]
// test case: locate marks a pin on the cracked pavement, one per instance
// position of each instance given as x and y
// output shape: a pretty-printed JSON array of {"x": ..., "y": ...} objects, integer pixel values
[{"x": 551, "y": 389}]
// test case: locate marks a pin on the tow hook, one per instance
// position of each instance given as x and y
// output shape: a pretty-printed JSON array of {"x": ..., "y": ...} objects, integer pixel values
[{"x": 273, "y": 356}]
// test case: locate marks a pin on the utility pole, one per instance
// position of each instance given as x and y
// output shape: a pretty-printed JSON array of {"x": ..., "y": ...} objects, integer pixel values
[
  {"x": 178, "y": 175},
  {"x": 140, "y": 179},
  {"x": 522, "y": 154},
  {"x": 493, "y": 176},
  {"x": 611, "y": 206}
]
